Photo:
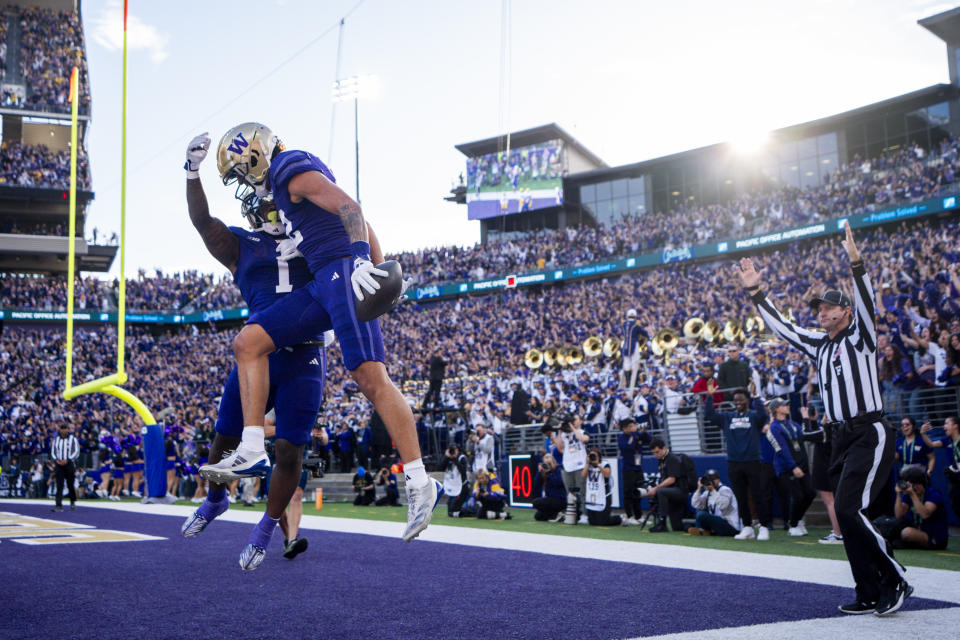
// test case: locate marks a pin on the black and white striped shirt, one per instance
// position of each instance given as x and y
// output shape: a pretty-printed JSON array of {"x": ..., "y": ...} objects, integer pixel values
[
  {"x": 65, "y": 448},
  {"x": 846, "y": 364}
]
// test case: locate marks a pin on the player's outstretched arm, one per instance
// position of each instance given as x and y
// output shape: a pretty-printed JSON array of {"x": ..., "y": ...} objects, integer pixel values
[
  {"x": 315, "y": 187},
  {"x": 218, "y": 239}
]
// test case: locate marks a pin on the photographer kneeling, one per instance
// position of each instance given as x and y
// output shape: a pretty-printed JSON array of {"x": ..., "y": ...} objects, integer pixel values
[
  {"x": 488, "y": 492},
  {"x": 717, "y": 512},
  {"x": 671, "y": 493},
  {"x": 597, "y": 499},
  {"x": 921, "y": 512},
  {"x": 551, "y": 496}
]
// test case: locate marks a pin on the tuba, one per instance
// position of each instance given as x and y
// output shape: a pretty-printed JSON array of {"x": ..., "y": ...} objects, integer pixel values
[
  {"x": 592, "y": 347},
  {"x": 550, "y": 356},
  {"x": 732, "y": 331},
  {"x": 711, "y": 332},
  {"x": 574, "y": 356},
  {"x": 611, "y": 347},
  {"x": 754, "y": 324},
  {"x": 533, "y": 359},
  {"x": 667, "y": 340},
  {"x": 693, "y": 328}
]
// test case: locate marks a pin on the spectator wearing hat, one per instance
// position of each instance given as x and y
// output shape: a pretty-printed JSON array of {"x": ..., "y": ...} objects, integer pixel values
[
  {"x": 790, "y": 464},
  {"x": 630, "y": 442},
  {"x": 363, "y": 485},
  {"x": 921, "y": 511},
  {"x": 716, "y": 507}
]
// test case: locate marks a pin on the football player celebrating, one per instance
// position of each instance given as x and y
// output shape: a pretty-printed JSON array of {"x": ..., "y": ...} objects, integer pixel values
[
  {"x": 264, "y": 274},
  {"x": 328, "y": 229}
]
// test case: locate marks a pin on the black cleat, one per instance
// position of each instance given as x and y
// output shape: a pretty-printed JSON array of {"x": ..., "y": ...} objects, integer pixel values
[
  {"x": 891, "y": 602},
  {"x": 857, "y": 608},
  {"x": 293, "y": 548}
]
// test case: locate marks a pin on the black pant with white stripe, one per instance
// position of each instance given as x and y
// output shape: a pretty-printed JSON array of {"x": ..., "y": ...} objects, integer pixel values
[
  {"x": 65, "y": 473},
  {"x": 863, "y": 456}
]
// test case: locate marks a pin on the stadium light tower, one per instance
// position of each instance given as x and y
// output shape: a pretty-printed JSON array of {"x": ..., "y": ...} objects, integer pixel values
[{"x": 352, "y": 88}]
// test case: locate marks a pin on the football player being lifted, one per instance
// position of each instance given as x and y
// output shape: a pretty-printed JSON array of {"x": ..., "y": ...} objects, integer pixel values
[
  {"x": 265, "y": 270},
  {"x": 327, "y": 227}
]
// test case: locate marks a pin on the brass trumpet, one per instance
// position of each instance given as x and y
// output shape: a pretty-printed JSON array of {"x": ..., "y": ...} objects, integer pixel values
[
  {"x": 611, "y": 347},
  {"x": 533, "y": 359},
  {"x": 592, "y": 347}
]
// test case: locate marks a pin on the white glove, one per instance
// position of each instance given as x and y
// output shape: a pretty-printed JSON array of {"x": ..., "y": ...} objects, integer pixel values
[
  {"x": 362, "y": 277},
  {"x": 196, "y": 152},
  {"x": 329, "y": 337},
  {"x": 403, "y": 297},
  {"x": 288, "y": 250}
]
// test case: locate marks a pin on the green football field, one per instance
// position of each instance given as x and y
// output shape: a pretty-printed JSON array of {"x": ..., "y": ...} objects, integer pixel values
[
  {"x": 779, "y": 543},
  {"x": 524, "y": 183}
]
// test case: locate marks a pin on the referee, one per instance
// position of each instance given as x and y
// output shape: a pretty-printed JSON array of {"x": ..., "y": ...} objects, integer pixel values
[
  {"x": 64, "y": 451},
  {"x": 863, "y": 443}
]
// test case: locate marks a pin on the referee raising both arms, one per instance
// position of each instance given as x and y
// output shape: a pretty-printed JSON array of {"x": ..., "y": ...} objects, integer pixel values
[
  {"x": 65, "y": 450},
  {"x": 846, "y": 359}
]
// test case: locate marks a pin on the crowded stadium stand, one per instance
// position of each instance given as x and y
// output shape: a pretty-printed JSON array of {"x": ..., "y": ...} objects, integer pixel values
[
  {"x": 41, "y": 42},
  {"x": 568, "y": 245}
]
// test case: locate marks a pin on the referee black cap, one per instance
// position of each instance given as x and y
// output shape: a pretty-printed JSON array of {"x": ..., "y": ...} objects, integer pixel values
[{"x": 833, "y": 296}]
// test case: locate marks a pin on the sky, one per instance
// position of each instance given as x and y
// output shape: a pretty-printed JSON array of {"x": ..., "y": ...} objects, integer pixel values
[{"x": 630, "y": 80}]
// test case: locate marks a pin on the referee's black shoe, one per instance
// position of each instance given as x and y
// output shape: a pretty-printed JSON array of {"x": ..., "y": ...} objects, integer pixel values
[
  {"x": 293, "y": 548},
  {"x": 857, "y": 608},
  {"x": 890, "y": 602}
]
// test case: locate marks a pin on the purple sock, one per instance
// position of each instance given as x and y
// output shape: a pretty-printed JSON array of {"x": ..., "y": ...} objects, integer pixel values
[
  {"x": 260, "y": 536},
  {"x": 217, "y": 495},
  {"x": 210, "y": 510}
]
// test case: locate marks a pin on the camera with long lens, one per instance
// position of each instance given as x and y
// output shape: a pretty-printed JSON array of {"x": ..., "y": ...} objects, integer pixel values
[
  {"x": 706, "y": 481},
  {"x": 314, "y": 464},
  {"x": 902, "y": 485},
  {"x": 550, "y": 424},
  {"x": 593, "y": 456}
]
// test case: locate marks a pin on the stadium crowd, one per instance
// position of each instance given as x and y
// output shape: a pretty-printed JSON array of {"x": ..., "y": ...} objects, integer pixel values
[
  {"x": 25, "y": 165},
  {"x": 914, "y": 267},
  {"x": 51, "y": 44},
  {"x": 905, "y": 175}
]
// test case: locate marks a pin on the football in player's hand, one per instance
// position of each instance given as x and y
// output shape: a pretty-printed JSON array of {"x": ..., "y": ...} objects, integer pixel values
[{"x": 385, "y": 298}]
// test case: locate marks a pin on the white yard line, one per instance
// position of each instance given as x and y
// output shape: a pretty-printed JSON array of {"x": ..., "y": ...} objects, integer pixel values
[
  {"x": 930, "y": 625},
  {"x": 930, "y": 583}
]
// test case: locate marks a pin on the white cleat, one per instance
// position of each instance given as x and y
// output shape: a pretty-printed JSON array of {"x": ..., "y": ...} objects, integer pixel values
[
  {"x": 763, "y": 534},
  {"x": 420, "y": 505},
  {"x": 796, "y": 532},
  {"x": 745, "y": 534},
  {"x": 242, "y": 463},
  {"x": 252, "y": 557}
]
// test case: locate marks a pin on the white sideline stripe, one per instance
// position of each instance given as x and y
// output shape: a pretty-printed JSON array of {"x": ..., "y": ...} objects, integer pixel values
[
  {"x": 905, "y": 624},
  {"x": 938, "y": 584}
]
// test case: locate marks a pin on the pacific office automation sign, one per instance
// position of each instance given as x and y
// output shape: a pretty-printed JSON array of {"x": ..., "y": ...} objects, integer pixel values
[{"x": 781, "y": 236}]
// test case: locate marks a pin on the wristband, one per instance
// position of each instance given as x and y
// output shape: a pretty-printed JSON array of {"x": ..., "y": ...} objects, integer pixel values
[
  {"x": 192, "y": 174},
  {"x": 360, "y": 249}
]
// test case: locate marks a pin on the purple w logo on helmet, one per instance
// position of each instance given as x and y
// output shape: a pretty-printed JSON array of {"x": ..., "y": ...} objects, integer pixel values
[{"x": 238, "y": 143}]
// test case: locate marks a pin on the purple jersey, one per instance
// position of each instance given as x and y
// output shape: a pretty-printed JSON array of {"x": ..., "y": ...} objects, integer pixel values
[
  {"x": 261, "y": 276},
  {"x": 319, "y": 234}
]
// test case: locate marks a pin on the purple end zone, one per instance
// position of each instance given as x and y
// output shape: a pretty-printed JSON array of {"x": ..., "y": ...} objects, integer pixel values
[{"x": 359, "y": 586}]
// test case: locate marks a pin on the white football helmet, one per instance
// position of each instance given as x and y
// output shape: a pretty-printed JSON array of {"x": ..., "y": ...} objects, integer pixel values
[
  {"x": 261, "y": 213},
  {"x": 244, "y": 156}
]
